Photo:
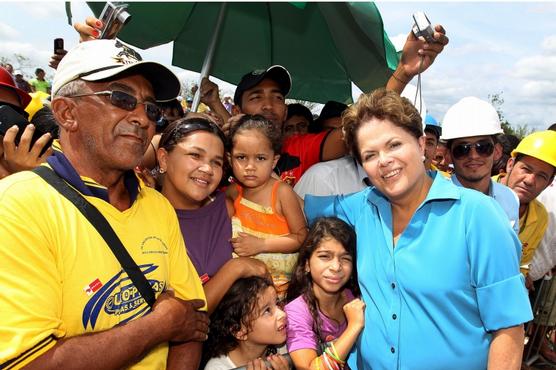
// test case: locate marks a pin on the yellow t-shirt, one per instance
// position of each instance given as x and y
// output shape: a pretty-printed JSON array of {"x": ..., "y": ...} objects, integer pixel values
[
  {"x": 58, "y": 278},
  {"x": 532, "y": 226}
]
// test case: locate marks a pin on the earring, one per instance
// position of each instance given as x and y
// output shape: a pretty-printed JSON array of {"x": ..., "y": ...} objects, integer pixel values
[
  {"x": 423, "y": 158},
  {"x": 162, "y": 170}
]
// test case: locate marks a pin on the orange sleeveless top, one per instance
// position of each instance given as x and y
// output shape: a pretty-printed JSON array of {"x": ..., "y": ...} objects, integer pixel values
[
  {"x": 263, "y": 222},
  {"x": 258, "y": 219}
]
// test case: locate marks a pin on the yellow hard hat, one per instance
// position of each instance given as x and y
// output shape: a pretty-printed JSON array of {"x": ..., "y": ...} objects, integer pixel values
[
  {"x": 38, "y": 100},
  {"x": 540, "y": 145}
]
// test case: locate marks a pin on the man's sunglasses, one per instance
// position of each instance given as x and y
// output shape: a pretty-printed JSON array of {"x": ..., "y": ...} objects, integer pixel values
[
  {"x": 483, "y": 148},
  {"x": 127, "y": 102}
]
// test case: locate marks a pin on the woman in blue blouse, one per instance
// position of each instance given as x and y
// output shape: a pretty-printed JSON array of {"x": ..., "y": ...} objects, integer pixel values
[{"x": 438, "y": 265}]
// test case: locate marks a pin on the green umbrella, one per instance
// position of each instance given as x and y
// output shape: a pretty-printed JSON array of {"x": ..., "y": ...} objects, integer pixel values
[{"x": 325, "y": 46}]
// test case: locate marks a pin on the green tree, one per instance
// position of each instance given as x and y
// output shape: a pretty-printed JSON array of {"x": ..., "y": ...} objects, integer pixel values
[{"x": 520, "y": 130}]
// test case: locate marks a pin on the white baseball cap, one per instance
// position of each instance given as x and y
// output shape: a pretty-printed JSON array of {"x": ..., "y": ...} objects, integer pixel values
[
  {"x": 101, "y": 59},
  {"x": 470, "y": 116}
]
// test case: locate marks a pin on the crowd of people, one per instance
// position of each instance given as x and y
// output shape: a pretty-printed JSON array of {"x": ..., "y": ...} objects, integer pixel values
[{"x": 254, "y": 235}]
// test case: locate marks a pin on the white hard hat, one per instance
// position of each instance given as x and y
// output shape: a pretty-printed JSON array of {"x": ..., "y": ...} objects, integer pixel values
[{"x": 470, "y": 116}]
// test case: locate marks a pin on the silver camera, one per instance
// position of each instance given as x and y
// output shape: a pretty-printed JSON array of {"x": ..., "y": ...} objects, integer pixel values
[
  {"x": 114, "y": 18},
  {"x": 422, "y": 27}
]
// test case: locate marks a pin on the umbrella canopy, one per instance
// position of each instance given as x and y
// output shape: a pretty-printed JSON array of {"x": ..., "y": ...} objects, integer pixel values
[{"x": 325, "y": 46}]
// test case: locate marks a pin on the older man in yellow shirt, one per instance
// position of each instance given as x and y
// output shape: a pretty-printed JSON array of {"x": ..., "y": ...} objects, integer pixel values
[{"x": 529, "y": 171}]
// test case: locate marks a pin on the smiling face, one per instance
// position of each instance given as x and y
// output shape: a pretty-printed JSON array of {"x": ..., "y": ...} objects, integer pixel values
[
  {"x": 392, "y": 158},
  {"x": 193, "y": 169},
  {"x": 112, "y": 137},
  {"x": 269, "y": 324},
  {"x": 474, "y": 169},
  {"x": 252, "y": 158},
  {"x": 330, "y": 266},
  {"x": 267, "y": 100},
  {"x": 528, "y": 177}
]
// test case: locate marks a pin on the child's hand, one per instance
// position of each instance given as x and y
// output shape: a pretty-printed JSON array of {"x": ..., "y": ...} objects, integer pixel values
[
  {"x": 278, "y": 362},
  {"x": 355, "y": 313},
  {"x": 246, "y": 245}
]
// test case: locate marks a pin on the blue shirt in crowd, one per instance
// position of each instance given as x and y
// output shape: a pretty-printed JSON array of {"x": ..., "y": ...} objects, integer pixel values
[
  {"x": 452, "y": 279},
  {"x": 506, "y": 198}
]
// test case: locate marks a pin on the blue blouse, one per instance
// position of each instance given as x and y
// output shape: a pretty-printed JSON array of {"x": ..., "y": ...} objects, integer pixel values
[{"x": 452, "y": 279}]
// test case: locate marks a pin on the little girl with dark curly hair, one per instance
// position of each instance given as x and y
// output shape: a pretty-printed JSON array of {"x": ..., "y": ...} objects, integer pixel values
[{"x": 245, "y": 328}]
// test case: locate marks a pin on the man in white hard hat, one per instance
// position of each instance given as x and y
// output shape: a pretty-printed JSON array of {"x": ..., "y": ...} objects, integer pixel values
[{"x": 470, "y": 127}]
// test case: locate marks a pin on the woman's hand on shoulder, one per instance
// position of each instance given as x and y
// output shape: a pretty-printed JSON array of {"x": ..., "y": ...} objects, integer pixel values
[{"x": 251, "y": 267}]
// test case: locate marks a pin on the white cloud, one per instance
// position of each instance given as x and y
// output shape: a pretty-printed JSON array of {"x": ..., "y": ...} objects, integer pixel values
[
  {"x": 40, "y": 10},
  {"x": 549, "y": 44},
  {"x": 537, "y": 67},
  {"x": 7, "y": 32},
  {"x": 480, "y": 48},
  {"x": 540, "y": 89},
  {"x": 37, "y": 58}
]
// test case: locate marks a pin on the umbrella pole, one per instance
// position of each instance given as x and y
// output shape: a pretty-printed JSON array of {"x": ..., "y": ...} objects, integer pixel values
[{"x": 207, "y": 64}]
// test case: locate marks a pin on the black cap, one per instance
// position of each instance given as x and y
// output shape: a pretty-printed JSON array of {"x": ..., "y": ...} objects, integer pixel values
[
  {"x": 435, "y": 130},
  {"x": 331, "y": 109},
  {"x": 276, "y": 73}
]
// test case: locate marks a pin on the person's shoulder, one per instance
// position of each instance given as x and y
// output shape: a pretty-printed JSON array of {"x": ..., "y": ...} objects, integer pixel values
[
  {"x": 232, "y": 191},
  {"x": 329, "y": 167},
  {"x": 498, "y": 187},
  {"x": 283, "y": 187},
  {"x": 539, "y": 208},
  {"x": 222, "y": 362},
  {"x": 21, "y": 185},
  {"x": 153, "y": 198},
  {"x": 297, "y": 305},
  {"x": 504, "y": 193}
]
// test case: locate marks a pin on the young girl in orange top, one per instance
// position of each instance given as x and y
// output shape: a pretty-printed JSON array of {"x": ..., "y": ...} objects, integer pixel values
[{"x": 268, "y": 223}]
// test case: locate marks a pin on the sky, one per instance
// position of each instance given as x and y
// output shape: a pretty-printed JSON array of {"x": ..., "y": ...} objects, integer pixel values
[{"x": 506, "y": 48}]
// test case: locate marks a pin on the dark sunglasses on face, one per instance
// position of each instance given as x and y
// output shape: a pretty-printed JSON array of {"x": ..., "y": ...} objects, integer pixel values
[
  {"x": 127, "y": 102},
  {"x": 483, "y": 148}
]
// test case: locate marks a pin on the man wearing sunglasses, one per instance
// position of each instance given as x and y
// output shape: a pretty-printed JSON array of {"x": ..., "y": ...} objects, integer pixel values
[
  {"x": 470, "y": 127},
  {"x": 529, "y": 171},
  {"x": 66, "y": 301}
]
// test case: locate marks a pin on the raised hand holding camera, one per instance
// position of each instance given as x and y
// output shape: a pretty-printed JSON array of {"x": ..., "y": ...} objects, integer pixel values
[
  {"x": 113, "y": 18},
  {"x": 423, "y": 27}
]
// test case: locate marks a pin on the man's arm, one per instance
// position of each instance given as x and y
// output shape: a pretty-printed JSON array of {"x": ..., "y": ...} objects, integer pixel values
[
  {"x": 506, "y": 349},
  {"x": 184, "y": 356},
  {"x": 210, "y": 96},
  {"x": 413, "y": 50},
  {"x": 172, "y": 319},
  {"x": 333, "y": 146}
]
